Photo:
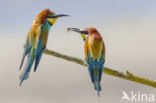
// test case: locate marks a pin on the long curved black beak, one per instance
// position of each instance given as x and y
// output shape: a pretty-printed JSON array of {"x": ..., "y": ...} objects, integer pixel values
[
  {"x": 61, "y": 15},
  {"x": 81, "y": 31},
  {"x": 74, "y": 29}
]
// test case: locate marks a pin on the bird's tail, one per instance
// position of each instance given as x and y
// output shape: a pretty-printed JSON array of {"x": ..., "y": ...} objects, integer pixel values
[
  {"x": 38, "y": 58},
  {"x": 26, "y": 51},
  {"x": 97, "y": 85},
  {"x": 23, "y": 57},
  {"x": 26, "y": 71}
]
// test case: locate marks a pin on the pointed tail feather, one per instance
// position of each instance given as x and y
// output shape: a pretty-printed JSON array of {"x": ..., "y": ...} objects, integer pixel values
[
  {"x": 26, "y": 71},
  {"x": 38, "y": 58},
  {"x": 26, "y": 51},
  {"x": 97, "y": 85},
  {"x": 23, "y": 57}
]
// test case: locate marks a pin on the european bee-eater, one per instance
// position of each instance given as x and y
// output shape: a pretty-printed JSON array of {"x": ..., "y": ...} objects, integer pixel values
[
  {"x": 36, "y": 40},
  {"x": 94, "y": 49}
]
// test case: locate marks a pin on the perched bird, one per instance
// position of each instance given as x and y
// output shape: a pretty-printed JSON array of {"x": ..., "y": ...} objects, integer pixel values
[
  {"x": 36, "y": 40},
  {"x": 94, "y": 49}
]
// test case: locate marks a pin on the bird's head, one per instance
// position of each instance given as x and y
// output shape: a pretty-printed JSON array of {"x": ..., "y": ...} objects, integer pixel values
[
  {"x": 83, "y": 32},
  {"x": 50, "y": 16}
]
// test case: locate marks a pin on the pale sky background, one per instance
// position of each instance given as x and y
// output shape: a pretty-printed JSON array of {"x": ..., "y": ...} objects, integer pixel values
[{"x": 128, "y": 28}]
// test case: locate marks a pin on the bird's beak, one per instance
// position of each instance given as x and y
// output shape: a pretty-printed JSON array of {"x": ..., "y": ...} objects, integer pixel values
[
  {"x": 74, "y": 29},
  {"x": 61, "y": 15},
  {"x": 81, "y": 31}
]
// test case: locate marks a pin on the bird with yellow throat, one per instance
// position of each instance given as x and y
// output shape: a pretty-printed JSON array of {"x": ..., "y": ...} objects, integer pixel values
[
  {"x": 94, "y": 50},
  {"x": 36, "y": 41}
]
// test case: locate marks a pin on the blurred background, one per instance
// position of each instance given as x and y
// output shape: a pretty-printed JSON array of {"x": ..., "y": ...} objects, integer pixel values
[{"x": 128, "y": 28}]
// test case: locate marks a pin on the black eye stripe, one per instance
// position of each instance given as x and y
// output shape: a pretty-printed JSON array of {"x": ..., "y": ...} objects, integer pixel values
[
  {"x": 48, "y": 17},
  {"x": 84, "y": 32},
  {"x": 51, "y": 16}
]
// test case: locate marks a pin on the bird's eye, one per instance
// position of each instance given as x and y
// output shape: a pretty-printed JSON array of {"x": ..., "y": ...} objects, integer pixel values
[
  {"x": 84, "y": 32},
  {"x": 50, "y": 16}
]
